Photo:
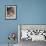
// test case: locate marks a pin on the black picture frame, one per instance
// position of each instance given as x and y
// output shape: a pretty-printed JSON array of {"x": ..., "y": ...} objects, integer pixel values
[{"x": 15, "y": 11}]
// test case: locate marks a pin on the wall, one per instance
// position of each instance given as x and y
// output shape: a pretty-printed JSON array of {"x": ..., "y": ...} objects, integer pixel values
[{"x": 28, "y": 12}]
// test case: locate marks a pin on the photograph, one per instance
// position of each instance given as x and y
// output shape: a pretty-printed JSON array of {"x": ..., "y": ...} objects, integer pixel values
[{"x": 10, "y": 12}]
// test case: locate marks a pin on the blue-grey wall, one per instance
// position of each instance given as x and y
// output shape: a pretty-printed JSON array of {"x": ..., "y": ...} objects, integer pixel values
[{"x": 28, "y": 12}]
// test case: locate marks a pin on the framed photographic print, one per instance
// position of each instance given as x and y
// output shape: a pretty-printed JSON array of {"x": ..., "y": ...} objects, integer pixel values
[{"x": 10, "y": 12}]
